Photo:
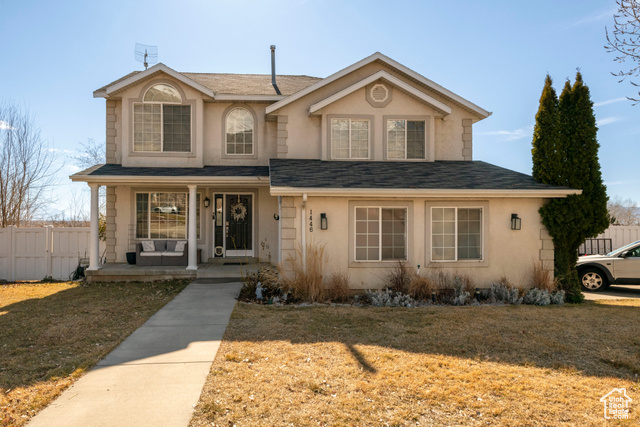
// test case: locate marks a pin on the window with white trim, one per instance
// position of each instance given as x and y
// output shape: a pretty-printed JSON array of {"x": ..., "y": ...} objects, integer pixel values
[
  {"x": 164, "y": 215},
  {"x": 239, "y": 131},
  {"x": 381, "y": 234},
  {"x": 349, "y": 139},
  {"x": 406, "y": 139},
  {"x": 160, "y": 122},
  {"x": 456, "y": 234}
]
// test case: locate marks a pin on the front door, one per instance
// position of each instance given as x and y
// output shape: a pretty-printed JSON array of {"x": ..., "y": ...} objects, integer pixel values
[{"x": 238, "y": 226}]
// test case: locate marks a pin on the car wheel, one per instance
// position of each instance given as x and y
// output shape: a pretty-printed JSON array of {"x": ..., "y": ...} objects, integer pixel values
[{"x": 592, "y": 280}]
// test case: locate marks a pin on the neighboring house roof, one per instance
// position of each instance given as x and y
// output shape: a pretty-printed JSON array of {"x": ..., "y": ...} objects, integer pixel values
[
  {"x": 295, "y": 176},
  {"x": 164, "y": 175},
  {"x": 407, "y": 72},
  {"x": 217, "y": 86}
]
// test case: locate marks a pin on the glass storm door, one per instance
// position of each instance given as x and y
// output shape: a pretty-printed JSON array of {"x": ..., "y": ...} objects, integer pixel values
[{"x": 239, "y": 225}]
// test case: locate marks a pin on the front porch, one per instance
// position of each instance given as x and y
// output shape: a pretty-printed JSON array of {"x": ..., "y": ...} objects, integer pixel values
[{"x": 223, "y": 270}]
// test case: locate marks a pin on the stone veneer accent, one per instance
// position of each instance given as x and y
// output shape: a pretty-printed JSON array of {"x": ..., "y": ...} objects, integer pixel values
[
  {"x": 111, "y": 132},
  {"x": 288, "y": 231},
  {"x": 547, "y": 251},
  {"x": 111, "y": 225},
  {"x": 467, "y": 148},
  {"x": 282, "y": 136}
]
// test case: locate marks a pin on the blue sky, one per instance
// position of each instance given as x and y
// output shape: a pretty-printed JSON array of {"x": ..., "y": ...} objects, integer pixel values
[{"x": 493, "y": 53}]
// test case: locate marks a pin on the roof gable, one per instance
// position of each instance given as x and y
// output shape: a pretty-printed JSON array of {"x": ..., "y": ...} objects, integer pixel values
[{"x": 482, "y": 113}]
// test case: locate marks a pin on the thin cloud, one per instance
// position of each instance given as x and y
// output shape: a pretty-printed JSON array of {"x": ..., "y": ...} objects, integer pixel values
[
  {"x": 510, "y": 135},
  {"x": 608, "y": 120},
  {"x": 4, "y": 125},
  {"x": 592, "y": 18},
  {"x": 609, "y": 101}
]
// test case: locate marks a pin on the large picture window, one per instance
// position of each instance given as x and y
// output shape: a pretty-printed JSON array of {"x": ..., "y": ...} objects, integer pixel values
[
  {"x": 349, "y": 139},
  {"x": 406, "y": 139},
  {"x": 381, "y": 234},
  {"x": 164, "y": 215},
  {"x": 456, "y": 234},
  {"x": 160, "y": 123},
  {"x": 239, "y": 131}
]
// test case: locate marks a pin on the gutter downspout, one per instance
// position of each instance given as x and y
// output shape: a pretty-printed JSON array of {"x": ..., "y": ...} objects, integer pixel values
[
  {"x": 303, "y": 232},
  {"x": 273, "y": 69}
]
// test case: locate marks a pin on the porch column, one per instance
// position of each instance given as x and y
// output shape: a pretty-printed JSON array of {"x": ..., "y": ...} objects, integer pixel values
[
  {"x": 94, "y": 235},
  {"x": 193, "y": 241}
]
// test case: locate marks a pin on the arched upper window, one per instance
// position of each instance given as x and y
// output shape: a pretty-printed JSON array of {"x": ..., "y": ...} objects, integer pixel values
[
  {"x": 161, "y": 123},
  {"x": 239, "y": 131}
]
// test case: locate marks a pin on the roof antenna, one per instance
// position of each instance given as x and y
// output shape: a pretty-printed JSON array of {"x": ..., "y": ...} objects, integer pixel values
[
  {"x": 146, "y": 54},
  {"x": 273, "y": 69}
]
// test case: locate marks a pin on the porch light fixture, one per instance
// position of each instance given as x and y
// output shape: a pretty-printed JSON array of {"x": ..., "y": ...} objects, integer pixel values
[
  {"x": 207, "y": 202},
  {"x": 516, "y": 222},
  {"x": 323, "y": 221}
]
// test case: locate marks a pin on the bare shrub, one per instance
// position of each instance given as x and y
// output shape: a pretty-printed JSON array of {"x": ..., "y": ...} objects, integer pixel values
[
  {"x": 306, "y": 283},
  {"x": 399, "y": 277},
  {"x": 543, "y": 279},
  {"x": 467, "y": 283},
  {"x": 338, "y": 289},
  {"x": 269, "y": 282},
  {"x": 421, "y": 288}
]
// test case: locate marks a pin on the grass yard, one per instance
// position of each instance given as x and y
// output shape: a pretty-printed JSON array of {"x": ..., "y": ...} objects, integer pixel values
[
  {"x": 51, "y": 333},
  {"x": 487, "y": 365}
]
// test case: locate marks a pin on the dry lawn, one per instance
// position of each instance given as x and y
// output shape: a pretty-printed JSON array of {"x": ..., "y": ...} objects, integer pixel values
[
  {"x": 488, "y": 365},
  {"x": 51, "y": 333}
]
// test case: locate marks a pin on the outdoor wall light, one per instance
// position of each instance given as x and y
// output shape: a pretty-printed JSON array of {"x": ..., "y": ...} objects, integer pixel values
[
  {"x": 207, "y": 202},
  {"x": 323, "y": 221},
  {"x": 276, "y": 217},
  {"x": 516, "y": 222}
]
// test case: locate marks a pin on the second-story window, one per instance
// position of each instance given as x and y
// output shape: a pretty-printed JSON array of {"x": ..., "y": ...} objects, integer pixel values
[
  {"x": 239, "y": 131},
  {"x": 349, "y": 139},
  {"x": 160, "y": 122},
  {"x": 406, "y": 139}
]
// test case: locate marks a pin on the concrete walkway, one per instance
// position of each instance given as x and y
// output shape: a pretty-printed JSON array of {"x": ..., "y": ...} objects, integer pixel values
[
  {"x": 614, "y": 292},
  {"x": 154, "y": 377}
]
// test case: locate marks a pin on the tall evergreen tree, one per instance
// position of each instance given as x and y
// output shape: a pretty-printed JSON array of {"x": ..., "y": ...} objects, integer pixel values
[
  {"x": 575, "y": 164},
  {"x": 545, "y": 136}
]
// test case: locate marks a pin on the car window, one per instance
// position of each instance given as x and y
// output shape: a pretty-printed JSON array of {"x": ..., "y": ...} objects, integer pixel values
[{"x": 635, "y": 253}]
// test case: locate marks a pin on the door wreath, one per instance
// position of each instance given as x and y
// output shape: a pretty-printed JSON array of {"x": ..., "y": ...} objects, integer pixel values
[{"x": 238, "y": 211}]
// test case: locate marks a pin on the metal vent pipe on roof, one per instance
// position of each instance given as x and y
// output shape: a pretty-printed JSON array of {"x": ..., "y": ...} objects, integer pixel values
[{"x": 273, "y": 69}]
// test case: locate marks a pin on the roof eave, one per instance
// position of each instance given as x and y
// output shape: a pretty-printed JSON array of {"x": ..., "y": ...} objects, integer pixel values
[
  {"x": 421, "y": 192},
  {"x": 174, "y": 180}
]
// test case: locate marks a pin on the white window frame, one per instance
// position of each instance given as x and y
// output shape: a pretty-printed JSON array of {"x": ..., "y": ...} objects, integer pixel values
[
  {"x": 380, "y": 208},
  {"x": 426, "y": 130},
  {"x": 350, "y": 157},
  {"x": 482, "y": 233},
  {"x": 142, "y": 102},
  {"x": 253, "y": 132}
]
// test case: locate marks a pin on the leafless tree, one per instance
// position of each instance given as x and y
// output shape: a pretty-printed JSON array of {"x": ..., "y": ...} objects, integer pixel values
[
  {"x": 623, "y": 212},
  {"x": 624, "y": 40},
  {"x": 93, "y": 153},
  {"x": 27, "y": 166}
]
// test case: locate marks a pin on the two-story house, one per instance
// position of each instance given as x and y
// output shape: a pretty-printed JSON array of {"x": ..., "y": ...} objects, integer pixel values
[{"x": 374, "y": 162}]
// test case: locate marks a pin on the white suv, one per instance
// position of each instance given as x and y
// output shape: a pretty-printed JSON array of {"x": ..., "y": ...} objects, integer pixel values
[{"x": 621, "y": 266}]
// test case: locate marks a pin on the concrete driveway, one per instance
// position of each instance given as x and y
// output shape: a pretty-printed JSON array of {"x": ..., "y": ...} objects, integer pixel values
[{"x": 614, "y": 292}]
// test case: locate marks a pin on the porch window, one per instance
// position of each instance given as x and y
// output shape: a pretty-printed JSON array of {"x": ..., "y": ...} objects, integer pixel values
[
  {"x": 381, "y": 234},
  {"x": 456, "y": 234},
  {"x": 239, "y": 131},
  {"x": 164, "y": 215},
  {"x": 160, "y": 123},
  {"x": 406, "y": 139},
  {"x": 349, "y": 139}
]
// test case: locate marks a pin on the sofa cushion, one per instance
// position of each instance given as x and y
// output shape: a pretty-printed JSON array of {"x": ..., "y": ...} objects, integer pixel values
[
  {"x": 161, "y": 245},
  {"x": 171, "y": 245},
  {"x": 172, "y": 253},
  {"x": 148, "y": 246},
  {"x": 151, "y": 253},
  {"x": 180, "y": 245}
]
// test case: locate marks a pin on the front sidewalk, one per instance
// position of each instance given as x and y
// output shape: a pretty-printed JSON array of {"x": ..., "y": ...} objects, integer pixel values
[{"x": 155, "y": 376}]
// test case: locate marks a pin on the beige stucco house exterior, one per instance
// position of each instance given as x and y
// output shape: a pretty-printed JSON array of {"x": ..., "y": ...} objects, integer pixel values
[{"x": 375, "y": 162}]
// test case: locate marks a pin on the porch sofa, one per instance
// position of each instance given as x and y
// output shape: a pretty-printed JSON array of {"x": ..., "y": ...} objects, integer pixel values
[{"x": 162, "y": 252}]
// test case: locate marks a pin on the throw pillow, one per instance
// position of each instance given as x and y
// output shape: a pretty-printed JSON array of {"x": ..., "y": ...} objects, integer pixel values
[
  {"x": 148, "y": 246},
  {"x": 180, "y": 245}
]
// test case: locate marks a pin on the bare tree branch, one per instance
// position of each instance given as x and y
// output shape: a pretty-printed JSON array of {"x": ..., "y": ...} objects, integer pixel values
[
  {"x": 624, "y": 40},
  {"x": 27, "y": 166}
]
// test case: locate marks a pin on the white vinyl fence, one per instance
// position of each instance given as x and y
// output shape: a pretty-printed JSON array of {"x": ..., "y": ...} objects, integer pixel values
[{"x": 38, "y": 252}]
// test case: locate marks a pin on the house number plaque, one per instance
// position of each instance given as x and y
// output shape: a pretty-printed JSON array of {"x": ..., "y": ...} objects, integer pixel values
[{"x": 310, "y": 221}]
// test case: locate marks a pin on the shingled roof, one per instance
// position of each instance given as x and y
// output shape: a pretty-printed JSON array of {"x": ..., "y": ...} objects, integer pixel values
[
  {"x": 113, "y": 170},
  {"x": 439, "y": 175}
]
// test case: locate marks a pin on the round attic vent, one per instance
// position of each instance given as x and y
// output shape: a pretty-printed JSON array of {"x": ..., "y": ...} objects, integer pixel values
[{"x": 379, "y": 92}]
